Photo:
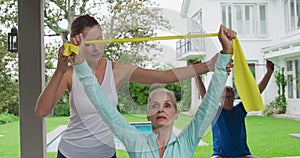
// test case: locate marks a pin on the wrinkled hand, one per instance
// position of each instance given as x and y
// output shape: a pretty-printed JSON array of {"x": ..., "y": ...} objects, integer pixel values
[
  {"x": 78, "y": 40},
  {"x": 225, "y": 37}
]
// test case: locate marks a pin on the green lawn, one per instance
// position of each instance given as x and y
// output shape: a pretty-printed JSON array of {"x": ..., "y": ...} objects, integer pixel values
[{"x": 267, "y": 136}]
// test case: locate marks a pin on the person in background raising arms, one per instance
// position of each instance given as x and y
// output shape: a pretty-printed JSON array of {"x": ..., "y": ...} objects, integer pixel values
[
  {"x": 229, "y": 130},
  {"x": 87, "y": 136}
]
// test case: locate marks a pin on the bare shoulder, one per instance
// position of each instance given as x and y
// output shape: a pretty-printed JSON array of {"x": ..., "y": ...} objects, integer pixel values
[
  {"x": 125, "y": 68},
  {"x": 122, "y": 72}
]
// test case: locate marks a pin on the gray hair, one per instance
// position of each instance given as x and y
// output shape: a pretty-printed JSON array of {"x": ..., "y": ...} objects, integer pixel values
[{"x": 158, "y": 90}]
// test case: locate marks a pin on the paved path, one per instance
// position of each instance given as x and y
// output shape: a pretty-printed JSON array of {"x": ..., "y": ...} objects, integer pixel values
[
  {"x": 288, "y": 116},
  {"x": 53, "y": 138},
  {"x": 295, "y": 135}
]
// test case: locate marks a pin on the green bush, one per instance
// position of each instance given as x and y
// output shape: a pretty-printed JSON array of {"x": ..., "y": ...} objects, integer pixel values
[
  {"x": 62, "y": 108},
  {"x": 279, "y": 105},
  {"x": 186, "y": 96},
  {"x": 7, "y": 118},
  {"x": 274, "y": 107},
  {"x": 133, "y": 97},
  {"x": 181, "y": 107}
]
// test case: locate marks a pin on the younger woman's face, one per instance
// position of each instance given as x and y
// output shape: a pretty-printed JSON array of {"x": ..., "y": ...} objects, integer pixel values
[{"x": 93, "y": 52}]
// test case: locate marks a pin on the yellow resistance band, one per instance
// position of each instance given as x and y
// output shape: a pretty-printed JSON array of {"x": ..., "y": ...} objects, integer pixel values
[
  {"x": 243, "y": 78},
  {"x": 143, "y": 39},
  {"x": 244, "y": 81},
  {"x": 70, "y": 48}
]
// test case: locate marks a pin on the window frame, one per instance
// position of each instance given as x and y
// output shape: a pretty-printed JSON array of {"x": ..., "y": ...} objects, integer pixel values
[
  {"x": 293, "y": 78},
  {"x": 257, "y": 26},
  {"x": 292, "y": 23}
]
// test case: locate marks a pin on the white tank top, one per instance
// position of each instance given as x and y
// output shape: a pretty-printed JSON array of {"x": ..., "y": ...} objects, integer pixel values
[{"x": 87, "y": 135}]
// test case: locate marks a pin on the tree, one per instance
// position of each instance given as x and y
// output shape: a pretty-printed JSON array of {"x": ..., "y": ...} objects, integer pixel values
[
  {"x": 57, "y": 12},
  {"x": 9, "y": 98},
  {"x": 129, "y": 19},
  {"x": 126, "y": 19}
]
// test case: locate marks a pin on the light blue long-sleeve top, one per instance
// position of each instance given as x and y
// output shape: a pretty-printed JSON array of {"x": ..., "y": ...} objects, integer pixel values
[{"x": 139, "y": 145}]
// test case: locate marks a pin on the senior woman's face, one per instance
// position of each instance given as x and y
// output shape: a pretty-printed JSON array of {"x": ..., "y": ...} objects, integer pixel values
[{"x": 161, "y": 110}]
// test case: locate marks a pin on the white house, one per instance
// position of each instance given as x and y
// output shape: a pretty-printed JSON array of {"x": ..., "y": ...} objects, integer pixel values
[{"x": 267, "y": 29}]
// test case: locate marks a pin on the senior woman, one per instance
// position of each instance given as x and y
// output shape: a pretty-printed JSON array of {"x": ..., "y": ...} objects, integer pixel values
[{"x": 161, "y": 111}]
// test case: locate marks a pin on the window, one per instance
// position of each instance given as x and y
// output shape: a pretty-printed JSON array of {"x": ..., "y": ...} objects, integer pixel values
[
  {"x": 293, "y": 78},
  {"x": 290, "y": 86},
  {"x": 197, "y": 22},
  {"x": 198, "y": 44},
  {"x": 297, "y": 69},
  {"x": 226, "y": 16},
  {"x": 292, "y": 15},
  {"x": 249, "y": 20}
]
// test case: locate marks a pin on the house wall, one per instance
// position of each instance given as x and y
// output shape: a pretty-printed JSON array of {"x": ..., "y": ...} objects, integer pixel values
[{"x": 254, "y": 48}]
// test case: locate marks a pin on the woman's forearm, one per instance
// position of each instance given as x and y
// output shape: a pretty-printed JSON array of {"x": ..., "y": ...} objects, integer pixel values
[{"x": 147, "y": 76}]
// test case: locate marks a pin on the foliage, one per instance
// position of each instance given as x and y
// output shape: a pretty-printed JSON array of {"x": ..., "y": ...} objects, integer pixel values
[
  {"x": 130, "y": 19},
  {"x": 133, "y": 99},
  {"x": 273, "y": 108},
  {"x": 62, "y": 108},
  {"x": 281, "y": 83},
  {"x": 7, "y": 118},
  {"x": 279, "y": 105},
  {"x": 186, "y": 96},
  {"x": 57, "y": 12},
  {"x": 9, "y": 98},
  {"x": 186, "y": 89},
  {"x": 9, "y": 90},
  {"x": 8, "y": 13}
]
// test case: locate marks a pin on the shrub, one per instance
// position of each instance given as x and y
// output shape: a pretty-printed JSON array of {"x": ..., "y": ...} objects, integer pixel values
[
  {"x": 275, "y": 107},
  {"x": 7, "y": 118},
  {"x": 279, "y": 105},
  {"x": 62, "y": 110}
]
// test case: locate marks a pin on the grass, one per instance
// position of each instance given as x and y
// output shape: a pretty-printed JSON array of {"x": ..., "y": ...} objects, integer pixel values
[{"x": 267, "y": 136}]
